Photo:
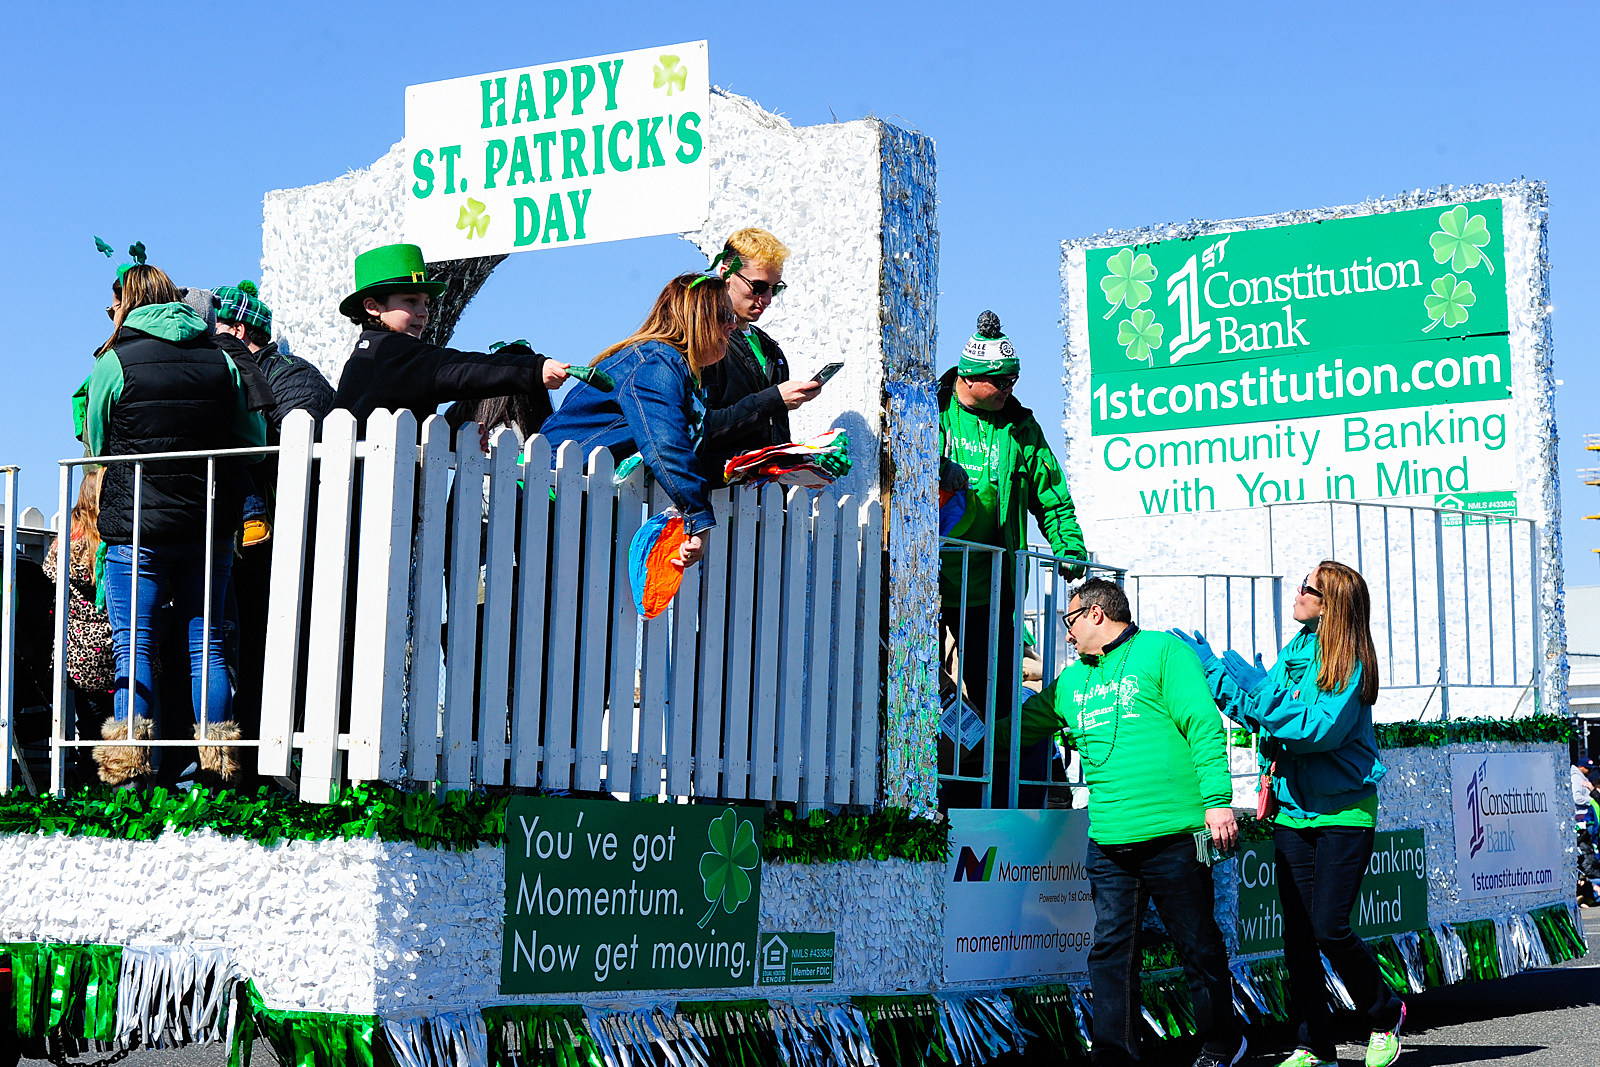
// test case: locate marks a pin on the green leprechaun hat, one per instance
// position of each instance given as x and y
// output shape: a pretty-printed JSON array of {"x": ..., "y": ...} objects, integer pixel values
[
  {"x": 389, "y": 269},
  {"x": 988, "y": 351}
]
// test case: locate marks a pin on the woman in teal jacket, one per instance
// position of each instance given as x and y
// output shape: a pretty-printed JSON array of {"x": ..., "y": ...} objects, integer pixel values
[{"x": 1313, "y": 712}]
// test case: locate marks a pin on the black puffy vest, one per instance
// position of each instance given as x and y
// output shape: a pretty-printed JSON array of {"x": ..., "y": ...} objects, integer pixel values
[{"x": 177, "y": 396}]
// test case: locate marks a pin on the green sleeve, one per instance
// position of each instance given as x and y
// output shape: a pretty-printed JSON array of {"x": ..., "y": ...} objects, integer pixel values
[
  {"x": 248, "y": 428},
  {"x": 1040, "y": 716},
  {"x": 1048, "y": 499},
  {"x": 102, "y": 390},
  {"x": 1189, "y": 702}
]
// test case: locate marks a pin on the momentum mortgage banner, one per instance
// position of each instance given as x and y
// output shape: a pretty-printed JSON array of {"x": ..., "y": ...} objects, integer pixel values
[
  {"x": 568, "y": 153},
  {"x": 1360, "y": 358}
]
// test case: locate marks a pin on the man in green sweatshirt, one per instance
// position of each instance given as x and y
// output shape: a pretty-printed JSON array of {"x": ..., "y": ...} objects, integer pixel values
[{"x": 1143, "y": 721}]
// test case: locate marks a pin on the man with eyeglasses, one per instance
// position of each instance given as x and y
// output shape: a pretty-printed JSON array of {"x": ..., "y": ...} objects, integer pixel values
[
  {"x": 748, "y": 393},
  {"x": 1139, "y": 711},
  {"x": 1010, "y": 472}
]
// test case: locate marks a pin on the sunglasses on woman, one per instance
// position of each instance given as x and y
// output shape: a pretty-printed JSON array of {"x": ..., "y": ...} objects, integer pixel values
[{"x": 1313, "y": 590}]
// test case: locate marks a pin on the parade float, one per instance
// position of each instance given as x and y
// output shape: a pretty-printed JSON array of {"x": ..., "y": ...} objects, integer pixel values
[{"x": 501, "y": 864}]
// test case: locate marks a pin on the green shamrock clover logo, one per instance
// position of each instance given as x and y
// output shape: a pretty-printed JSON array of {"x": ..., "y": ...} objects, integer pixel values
[
  {"x": 1140, "y": 336},
  {"x": 722, "y": 870},
  {"x": 1449, "y": 302},
  {"x": 1126, "y": 280},
  {"x": 472, "y": 218},
  {"x": 671, "y": 75},
  {"x": 1459, "y": 240}
]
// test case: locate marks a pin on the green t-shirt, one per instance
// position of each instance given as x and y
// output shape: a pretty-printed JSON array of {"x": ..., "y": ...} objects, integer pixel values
[
  {"x": 754, "y": 340},
  {"x": 1150, "y": 735},
  {"x": 971, "y": 438},
  {"x": 1363, "y": 814}
]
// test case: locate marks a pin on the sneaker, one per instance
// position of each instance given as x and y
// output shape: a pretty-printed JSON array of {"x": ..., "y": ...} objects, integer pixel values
[
  {"x": 1304, "y": 1057},
  {"x": 256, "y": 531},
  {"x": 1211, "y": 1059},
  {"x": 1384, "y": 1046}
]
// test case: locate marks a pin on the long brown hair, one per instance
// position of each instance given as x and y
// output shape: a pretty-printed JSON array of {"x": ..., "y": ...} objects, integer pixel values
[
  {"x": 141, "y": 285},
  {"x": 85, "y": 532},
  {"x": 1344, "y": 636},
  {"x": 689, "y": 315}
]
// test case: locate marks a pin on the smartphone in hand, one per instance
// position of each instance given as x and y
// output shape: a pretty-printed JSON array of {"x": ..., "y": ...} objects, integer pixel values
[{"x": 822, "y": 376}]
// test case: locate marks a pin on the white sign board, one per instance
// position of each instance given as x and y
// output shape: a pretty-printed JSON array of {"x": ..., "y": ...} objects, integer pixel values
[
  {"x": 1016, "y": 898},
  {"x": 586, "y": 150},
  {"x": 1507, "y": 819}
]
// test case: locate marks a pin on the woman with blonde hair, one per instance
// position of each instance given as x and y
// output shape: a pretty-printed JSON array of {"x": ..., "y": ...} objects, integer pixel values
[
  {"x": 1319, "y": 754},
  {"x": 160, "y": 384},
  {"x": 657, "y": 407}
]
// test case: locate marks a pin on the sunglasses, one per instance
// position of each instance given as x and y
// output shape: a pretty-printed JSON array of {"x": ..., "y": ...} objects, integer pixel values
[
  {"x": 1070, "y": 617},
  {"x": 999, "y": 381},
  {"x": 1313, "y": 590},
  {"x": 760, "y": 287}
]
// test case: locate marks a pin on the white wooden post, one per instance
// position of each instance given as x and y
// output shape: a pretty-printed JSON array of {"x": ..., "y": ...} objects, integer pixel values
[
  {"x": 562, "y": 650},
  {"x": 653, "y": 680},
  {"x": 769, "y": 592},
  {"x": 846, "y": 638},
  {"x": 461, "y": 584},
  {"x": 280, "y": 681},
  {"x": 683, "y": 774},
  {"x": 319, "y": 758},
  {"x": 494, "y": 657},
  {"x": 736, "y": 647},
  {"x": 427, "y": 599},
  {"x": 624, "y": 635},
  {"x": 383, "y": 588},
  {"x": 711, "y": 660},
  {"x": 824, "y": 635},
  {"x": 869, "y": 657},
  {"x": 792, "y": 652},
  {"x": 533, "y": 558},
  {"x": 598, "y": 501}
]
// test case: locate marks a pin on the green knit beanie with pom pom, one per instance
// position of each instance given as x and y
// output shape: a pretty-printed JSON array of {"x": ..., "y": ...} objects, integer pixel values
[{"x": 242, "y": 303}]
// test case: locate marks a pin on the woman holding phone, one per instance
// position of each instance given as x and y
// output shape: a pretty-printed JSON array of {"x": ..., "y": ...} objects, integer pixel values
[{"x": 1319, "y": 754}]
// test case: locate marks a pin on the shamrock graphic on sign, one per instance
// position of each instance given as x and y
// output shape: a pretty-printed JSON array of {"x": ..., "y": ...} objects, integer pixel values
[
  {"x": 1459, "y": 240},
  {"x": 1140, "y": 336},
  {"x": 1449, "y": 302},
  {"x": 1127, "y": 279},
  {"x": 473, "y": 219},
  {"x": 722, "y": 870},
  {"x": 671, "y": 75}
]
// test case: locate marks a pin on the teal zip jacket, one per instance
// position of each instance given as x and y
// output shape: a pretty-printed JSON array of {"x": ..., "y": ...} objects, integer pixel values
[
  {"x": 1149, "y": 735},
  {"x": 1324, "y": 743}
]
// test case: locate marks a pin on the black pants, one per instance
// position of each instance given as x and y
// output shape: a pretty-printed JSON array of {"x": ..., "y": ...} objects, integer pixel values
[
  {"x": 1123, "y": 879},
  {"x": 1319, "y": 875}
]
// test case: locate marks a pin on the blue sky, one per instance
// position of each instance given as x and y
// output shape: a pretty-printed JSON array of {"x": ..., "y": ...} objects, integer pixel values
[{"x": 167, "y": 122}]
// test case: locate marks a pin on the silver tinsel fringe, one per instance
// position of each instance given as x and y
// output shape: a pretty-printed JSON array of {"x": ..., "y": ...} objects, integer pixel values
[
  {"x": 628, "y": 1037},
  {"x": 822, "y": 1035},
  {"x": 978, "y": 1027},
  {"x": 169, "y": 995},
  {"x": 457, "y": 1039}
]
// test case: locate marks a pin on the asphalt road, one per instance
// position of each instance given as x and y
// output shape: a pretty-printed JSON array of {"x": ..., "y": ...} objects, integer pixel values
[{"x": 1548, "y": 1018}]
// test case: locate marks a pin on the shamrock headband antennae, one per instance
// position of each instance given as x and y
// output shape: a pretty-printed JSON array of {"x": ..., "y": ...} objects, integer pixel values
[{"x": 726, "y": 258}]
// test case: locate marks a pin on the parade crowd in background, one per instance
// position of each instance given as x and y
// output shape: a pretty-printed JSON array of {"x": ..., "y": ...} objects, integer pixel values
[{"x": 697, "y": 386}]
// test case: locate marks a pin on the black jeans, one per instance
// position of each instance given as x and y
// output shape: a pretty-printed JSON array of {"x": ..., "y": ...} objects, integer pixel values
[
  {"x": 1123, "y": 878},
  {"x": 1319, "y": 875}
]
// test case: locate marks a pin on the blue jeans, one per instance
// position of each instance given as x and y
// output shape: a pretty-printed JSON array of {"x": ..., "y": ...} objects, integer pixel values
[
  {"x": 175, "y": 574},
  {"x": 1123, "y": 878},
  {"x": 1319, "y": 875}
]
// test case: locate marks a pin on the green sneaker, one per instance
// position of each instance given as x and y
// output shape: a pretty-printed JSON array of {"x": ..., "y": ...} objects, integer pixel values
[
  {"x": 1383, "y": 1048},
  {"x": 1304, "y": 1057}
]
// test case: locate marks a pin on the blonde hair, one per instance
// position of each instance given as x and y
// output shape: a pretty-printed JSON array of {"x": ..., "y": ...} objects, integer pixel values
[
  {"x": 1344, "y": 636},
  {"x": 140, "y": 286},
  {"x": 690, "y": 315},
  {"x": 85, "y": 529},
  {"x": 758, "y": 248}
]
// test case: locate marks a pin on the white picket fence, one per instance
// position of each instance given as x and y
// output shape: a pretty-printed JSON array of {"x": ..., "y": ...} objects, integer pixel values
[{"x": 760, "y": 682}]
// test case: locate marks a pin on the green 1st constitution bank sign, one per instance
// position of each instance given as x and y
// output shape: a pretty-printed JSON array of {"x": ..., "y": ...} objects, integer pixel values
[{"x": 1359, "y": 358}]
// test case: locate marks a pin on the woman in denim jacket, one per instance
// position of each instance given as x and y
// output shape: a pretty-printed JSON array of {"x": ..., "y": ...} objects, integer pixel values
[{"x": 657, "y": 407}]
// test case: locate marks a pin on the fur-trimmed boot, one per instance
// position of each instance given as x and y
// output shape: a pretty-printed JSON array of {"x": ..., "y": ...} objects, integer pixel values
[
  {"x": 123, "y": 764},
  {"x": 220, "y": 764}
]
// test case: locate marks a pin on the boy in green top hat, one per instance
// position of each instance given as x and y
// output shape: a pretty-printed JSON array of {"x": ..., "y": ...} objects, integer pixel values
[{"x": 392, "y": 367}]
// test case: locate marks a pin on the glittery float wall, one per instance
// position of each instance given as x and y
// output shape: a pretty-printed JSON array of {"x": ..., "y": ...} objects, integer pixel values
[
  {"x": 1503, "y": 644},
  {"x": 910, "y": 283}
]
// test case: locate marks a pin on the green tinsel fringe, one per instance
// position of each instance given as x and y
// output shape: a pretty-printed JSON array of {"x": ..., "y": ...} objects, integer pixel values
[
  {"x": 304, "y": 1038},
  {"x": 69, "y": 988},
  {"x": 461, "y": 820},
  {"x": 1526, "y": 730},
  {"x": 540, "y": 1035},
  {"x": 1048, "y": 1012},
  {"x": 905, "y": 1030}
]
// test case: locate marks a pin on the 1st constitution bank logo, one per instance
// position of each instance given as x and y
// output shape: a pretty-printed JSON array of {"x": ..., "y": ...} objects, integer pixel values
[
  {"x": 1202, "y": 285},
  {"x": 1484, "y": 804}
]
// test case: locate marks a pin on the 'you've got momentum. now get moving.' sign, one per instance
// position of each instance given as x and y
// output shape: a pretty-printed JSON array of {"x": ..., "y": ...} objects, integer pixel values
[
  {"x": 586, "y": 150},
  {"x": 1358, "y": 358}
]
